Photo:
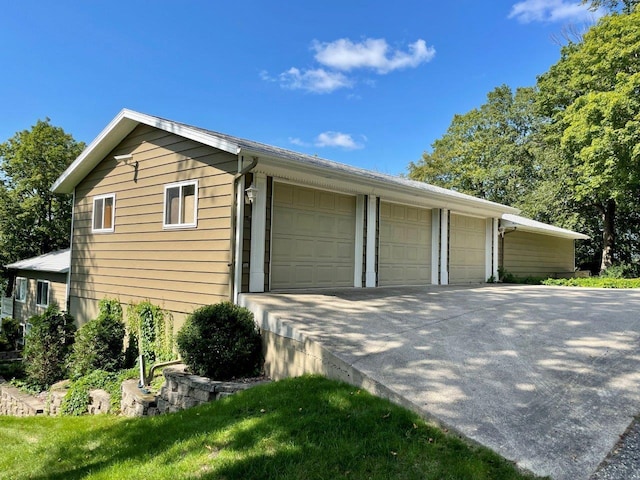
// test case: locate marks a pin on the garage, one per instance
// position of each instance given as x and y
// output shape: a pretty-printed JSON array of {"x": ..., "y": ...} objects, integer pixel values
[
  {"x": 404, "y": 245},
  {"x": 313, "y": 238},
  {"x": 466, "y": 249}
]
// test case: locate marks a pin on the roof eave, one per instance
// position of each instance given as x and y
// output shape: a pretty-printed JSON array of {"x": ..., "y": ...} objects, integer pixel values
[
  {"x": 359, "y": 184},
  {"x": 116, "y": 131},
  {"x": 542, "y": 231}
]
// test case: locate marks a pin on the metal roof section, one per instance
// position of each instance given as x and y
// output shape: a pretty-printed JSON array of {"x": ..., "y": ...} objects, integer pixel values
[
  {"x": 55, "y": 262},
  {"x": 526, "y": 224},
  {"x": 277, "y": 161}
]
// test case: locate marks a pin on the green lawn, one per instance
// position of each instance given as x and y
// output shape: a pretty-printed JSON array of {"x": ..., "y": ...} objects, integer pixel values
[{"x": 303, "y": 428}]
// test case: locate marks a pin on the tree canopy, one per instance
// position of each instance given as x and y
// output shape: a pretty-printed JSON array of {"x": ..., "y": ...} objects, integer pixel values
[
  {"x": 565, "y": 152},
  {"x": 592, "y": 98},
  {"x": 488, "y": 152},
  {"x": 33, "y": 220}
]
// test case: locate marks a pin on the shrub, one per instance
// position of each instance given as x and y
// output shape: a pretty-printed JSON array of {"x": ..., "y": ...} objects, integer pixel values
[
  {"x": 9, "y": 335},
  {"x": 221, "y": 341},
  {"x": 620, "y": 270},
  {"x": 76, "y": 400},
  {"x": 151, "y": 329},
  {"x": 595, "y": 282},
  {"x": 99, "y": 342},
  {"x": 47, "y": 347}
]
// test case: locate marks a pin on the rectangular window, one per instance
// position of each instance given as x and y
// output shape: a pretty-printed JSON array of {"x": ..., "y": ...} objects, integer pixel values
[
  {"x": 181, "y": 205},
  {"x": 103, "y": 213},
  {"x": 42, "y": 294},
  {"x": 20, "y": 290}
]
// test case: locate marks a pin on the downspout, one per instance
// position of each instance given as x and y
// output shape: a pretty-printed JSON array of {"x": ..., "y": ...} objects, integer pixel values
[
  {"x": 236, "y": 228},
  {"x": 73, "y": 212}
]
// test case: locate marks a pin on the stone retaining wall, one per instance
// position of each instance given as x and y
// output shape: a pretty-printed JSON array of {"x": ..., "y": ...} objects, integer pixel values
[
  {"x": 181, "y": 390},
  {"x": 18, "y": 404}
]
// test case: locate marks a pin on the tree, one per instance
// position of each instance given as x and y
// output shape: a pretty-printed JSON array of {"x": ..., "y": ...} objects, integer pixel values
[
  {"x": 592, "y": 96},
  {"x": 33, "y": 220},
  {"x": 627, "y": 6},
  {"x": 490, "y": 152}
]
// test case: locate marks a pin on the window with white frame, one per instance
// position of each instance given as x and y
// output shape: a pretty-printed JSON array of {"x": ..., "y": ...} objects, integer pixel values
[
  {"x": 104, "y": 207},
  {"x": 42, "y": 293},
  {"x": 181, "y": 205},
  {"x": 20, "y": 289}
]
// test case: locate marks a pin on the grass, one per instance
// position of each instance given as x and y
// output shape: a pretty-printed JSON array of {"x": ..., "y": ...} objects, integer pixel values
[
  {"x": 303, "y": 428},
  {"x": 594, "y": 282}
]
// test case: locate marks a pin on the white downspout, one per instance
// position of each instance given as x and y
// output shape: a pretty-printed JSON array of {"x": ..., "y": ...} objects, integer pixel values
[{"x": 237, "y": 264}]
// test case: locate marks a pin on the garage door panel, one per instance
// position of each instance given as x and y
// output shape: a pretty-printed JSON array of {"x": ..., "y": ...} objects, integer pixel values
[
  {"x": 313, "y": 237},
  {"x": 466, "y": 249},
  {"x": 404, "y": 245}
]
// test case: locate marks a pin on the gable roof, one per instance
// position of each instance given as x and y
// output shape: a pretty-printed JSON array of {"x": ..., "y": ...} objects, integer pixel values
[
  {"x": 280, "y": 160},
  {"x": 526, "y": 224},
  {"x": 55, "y": 262}
]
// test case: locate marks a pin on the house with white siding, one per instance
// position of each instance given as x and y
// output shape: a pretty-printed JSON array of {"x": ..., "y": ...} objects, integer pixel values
[{"x": 186, "y": 217}]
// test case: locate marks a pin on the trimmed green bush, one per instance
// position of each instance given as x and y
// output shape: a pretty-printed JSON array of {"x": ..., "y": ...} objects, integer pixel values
[
  {"x": 48, "y": 346},
  {"x": 99, "y": 342},
  {"x": 221, "y": 341}
]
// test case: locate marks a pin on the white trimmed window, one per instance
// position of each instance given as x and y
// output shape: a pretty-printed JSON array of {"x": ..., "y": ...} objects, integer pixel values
[
  {"x": 20, "y": 291},
  {"x": 42, "y": 293},
  {"x": 181, "y": 205},
  {"x": 104, "y": 209}
]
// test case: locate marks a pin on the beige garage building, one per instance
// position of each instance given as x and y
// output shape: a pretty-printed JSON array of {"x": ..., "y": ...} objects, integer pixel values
[{"x": 185, "y": 217}]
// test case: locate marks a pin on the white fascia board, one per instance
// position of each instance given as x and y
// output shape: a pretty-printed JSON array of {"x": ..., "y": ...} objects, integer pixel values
[
  {"x": 116, "y": 131},
  {"x": 352, "y": 182},
  {"x": 528, "y": 225}
]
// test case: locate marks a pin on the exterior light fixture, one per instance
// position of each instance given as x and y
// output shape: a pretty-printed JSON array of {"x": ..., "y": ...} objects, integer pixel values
[
  {"x": 123, "y": 158},
  {"x": 252, "y": 193}
]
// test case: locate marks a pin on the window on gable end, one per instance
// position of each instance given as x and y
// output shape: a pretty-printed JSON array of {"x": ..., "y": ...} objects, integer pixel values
[
  {"x": 104, "y": 207},
  {"x": 181, "y": 205}
]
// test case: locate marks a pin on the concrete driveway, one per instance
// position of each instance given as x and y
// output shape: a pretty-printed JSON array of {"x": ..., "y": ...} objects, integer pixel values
[{"x": 548, "y": 377}]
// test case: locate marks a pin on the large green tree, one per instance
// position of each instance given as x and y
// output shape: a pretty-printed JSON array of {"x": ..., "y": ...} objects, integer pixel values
[
  {"x": 491, "y": 152},
  {"x": 592, "y": 97},
  {"x": 625, "y": 6},
  {"x": 33, "y": 220}
]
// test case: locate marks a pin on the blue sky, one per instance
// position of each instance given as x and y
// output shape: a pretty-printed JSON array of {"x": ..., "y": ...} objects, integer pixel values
[{"x": 371, "y": 84}]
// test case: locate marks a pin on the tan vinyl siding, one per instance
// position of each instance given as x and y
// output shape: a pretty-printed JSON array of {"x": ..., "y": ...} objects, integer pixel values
[
  {"x": 57, "y": 293},
  {"x": 530, "y": 254},
  {"x": 178, "y": 269}
]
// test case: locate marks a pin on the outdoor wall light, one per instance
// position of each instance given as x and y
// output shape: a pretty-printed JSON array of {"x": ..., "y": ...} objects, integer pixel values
[
  {"x": 123, "y": 158},
  {"x": 252, "y": 193}
]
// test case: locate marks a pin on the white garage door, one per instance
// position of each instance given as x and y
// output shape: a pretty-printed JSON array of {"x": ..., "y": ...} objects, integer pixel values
[
  {"x": 466, "y": 249},
  {"x": 313, "y": 238},
  {"x": 404, "y": 245}
]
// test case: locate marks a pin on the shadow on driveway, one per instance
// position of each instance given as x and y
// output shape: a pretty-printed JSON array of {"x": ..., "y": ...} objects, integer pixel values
[{"x": 548, "y": 377}]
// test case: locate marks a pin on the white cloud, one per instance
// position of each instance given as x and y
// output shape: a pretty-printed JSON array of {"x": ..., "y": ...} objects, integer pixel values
[
  {"x": 338, "y": 139},
  {"x": 343, "y": 55},
  {"x": 332, "y": 139},
  {"x": 529, "y": 11},
  {"x": 373, "y": 53},
  {"x": 297, "y": 141},
  {"x": 316, "y": 81}
]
